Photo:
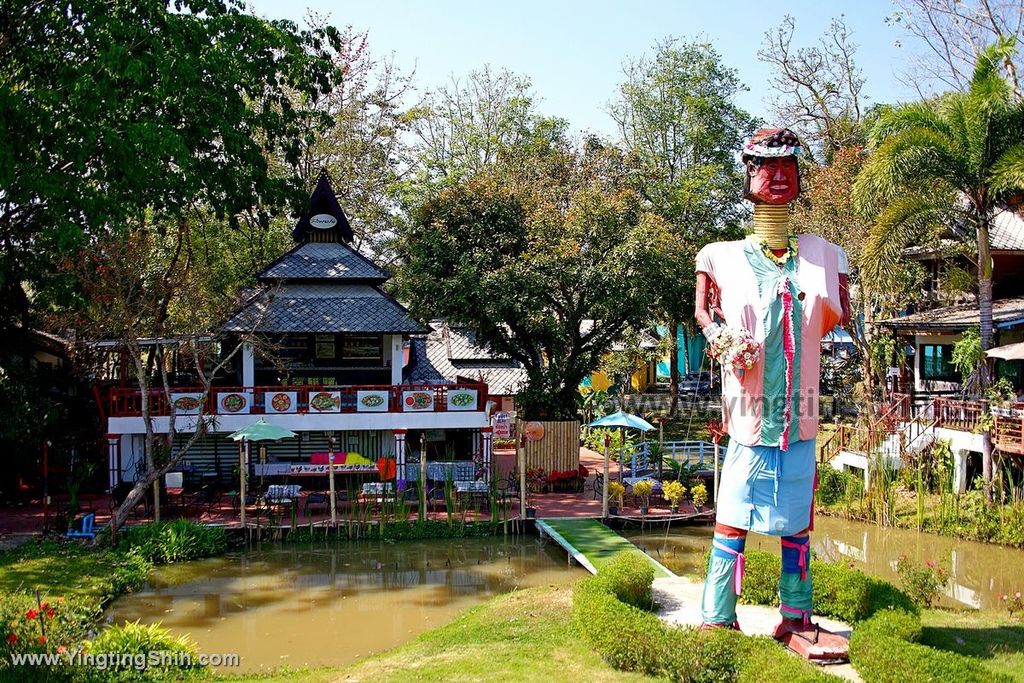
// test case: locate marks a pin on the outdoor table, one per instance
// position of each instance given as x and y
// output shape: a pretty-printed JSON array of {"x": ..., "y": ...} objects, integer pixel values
[
  {"x": 630, "y": 481},
  {"x": 473, "y": 489},
  {"x": 373, "y": 492}
]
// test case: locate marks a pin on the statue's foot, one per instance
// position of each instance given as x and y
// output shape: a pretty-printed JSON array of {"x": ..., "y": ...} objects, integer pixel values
[
  {"x": 812, "y": 642},
  {"x": 735, "y": 626}
]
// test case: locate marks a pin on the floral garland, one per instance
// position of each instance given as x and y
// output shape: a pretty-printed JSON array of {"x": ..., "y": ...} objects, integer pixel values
[
  {"x": 734, "y": 348},
  {"x": 781, "y": 260}
]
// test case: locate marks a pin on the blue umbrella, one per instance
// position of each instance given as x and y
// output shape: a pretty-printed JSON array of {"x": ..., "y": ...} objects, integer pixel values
[{"x": 623, "y": 421}]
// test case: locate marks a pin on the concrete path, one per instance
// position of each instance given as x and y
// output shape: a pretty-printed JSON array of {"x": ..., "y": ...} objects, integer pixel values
[{"x": 679, "y": 599}]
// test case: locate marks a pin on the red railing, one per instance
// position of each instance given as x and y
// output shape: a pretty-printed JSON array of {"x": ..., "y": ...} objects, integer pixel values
[
  {"x": 962, "y": 416},
  {"x": 127, "y": 402}
]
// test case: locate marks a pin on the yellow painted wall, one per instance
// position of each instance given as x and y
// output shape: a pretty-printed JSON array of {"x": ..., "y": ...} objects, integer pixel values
[{"x": 640, "y": 380}]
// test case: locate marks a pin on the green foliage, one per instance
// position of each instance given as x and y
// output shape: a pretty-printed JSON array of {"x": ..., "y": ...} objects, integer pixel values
[
  {"x": 149, "y": 106},
  {"x": 886, "y": 649},
  {"x": 594, "y": 440},
  {"x": 839, "y": 591},
  {"x": 633, "y": 639},
  {"x": 836, "y": 486},
  {"x": 921, "y": 582},
  {"x": 129, "y": 644},
  {"x": 174, "y": 541},
  {"x": 527, "y": 250},
  {"x": 628, "y": 576},
  {"x": 22, "y": 620},
  {"x": 968, "y": 354}
]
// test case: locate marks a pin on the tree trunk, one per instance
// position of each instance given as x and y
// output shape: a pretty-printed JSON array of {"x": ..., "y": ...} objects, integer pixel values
[
  {"x": 985, "y": 311},
  {"x": 673, "y": 369}
]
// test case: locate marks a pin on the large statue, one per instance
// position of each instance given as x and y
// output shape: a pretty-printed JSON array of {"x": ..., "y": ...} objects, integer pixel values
[{"x": 775, "y": 296}]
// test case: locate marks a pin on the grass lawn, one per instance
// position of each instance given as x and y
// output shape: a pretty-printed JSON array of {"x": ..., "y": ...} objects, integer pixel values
[
  {"x": 59, "y": 570},
  {"x": 593, "y": 539},
  {"x": 524, "y": 636},
  {"x": 992, "y": 637}
]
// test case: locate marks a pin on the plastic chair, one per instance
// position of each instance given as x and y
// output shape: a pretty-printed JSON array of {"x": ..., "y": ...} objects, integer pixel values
[{"x": 88, "y": 528}]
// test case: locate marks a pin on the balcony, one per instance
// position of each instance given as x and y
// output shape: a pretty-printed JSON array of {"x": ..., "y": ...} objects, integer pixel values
[{"x": 303, "y": 400}]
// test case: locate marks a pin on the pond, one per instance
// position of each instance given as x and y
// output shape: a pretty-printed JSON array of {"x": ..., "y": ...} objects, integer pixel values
[
  {"x": 979, "y": 572},
  {"x": 328, "y": 605}
]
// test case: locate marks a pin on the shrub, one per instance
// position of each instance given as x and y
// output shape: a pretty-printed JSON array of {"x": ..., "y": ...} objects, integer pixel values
[
  {"x": 1013, "y": 604},
  {"x": 628, "y": 576},
  {"x": 22, "y": 620},
  {"x": 835, "y": 486},
  {"x": 615, "y": 492},
  {"x": 673, "y": 492},
  {"x": 921, "y": 582},
  {"x": 128, "y": 649},
  {"x": 885, "y": 649},
  {"x": 700, "y": 495},
  {"x": 175, "y": 541}
]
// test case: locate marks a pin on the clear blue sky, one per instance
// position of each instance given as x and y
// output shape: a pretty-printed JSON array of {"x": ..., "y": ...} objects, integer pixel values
[{"x": 573, "y": 50}]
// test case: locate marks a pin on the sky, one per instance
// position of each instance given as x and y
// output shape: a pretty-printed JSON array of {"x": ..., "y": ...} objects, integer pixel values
[{"x": 573, "y": 51}]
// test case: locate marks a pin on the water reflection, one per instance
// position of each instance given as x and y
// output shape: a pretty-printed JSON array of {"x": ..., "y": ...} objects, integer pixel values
[
  {"x": 979, "y": 572},
  {"x": 309, "y": 606}
]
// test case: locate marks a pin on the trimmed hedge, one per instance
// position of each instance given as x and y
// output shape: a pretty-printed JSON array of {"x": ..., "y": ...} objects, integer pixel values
[
  {"x": 885, "y": 646},
  {"x": 885, "y": 649},
  {"x": 632, "y": 639},
  {"x": 839, "y": 591}
]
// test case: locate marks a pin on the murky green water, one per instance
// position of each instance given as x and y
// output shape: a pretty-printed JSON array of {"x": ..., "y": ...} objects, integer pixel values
[
  {"x": 309, "y": 606},
  {"x": 979, "y": 572}
]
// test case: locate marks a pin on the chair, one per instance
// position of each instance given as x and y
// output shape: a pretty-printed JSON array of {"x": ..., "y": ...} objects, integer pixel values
[
  {"x": 88, "y": 528},
  {"x": 174, "y": 485},
  {"x": 598, "y": 485},
  {"x": 317, "y": 499}
]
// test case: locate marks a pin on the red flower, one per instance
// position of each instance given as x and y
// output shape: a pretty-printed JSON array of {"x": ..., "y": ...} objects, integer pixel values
[
  {"x": 50, "y": 613},
  {"x": 32, "y": 614},
  {"x": 12, "y": 639},
  {"x": 61, "y": 649},
  {"x": 41, "y": 640},
  {"x": 45, "y": 606}
]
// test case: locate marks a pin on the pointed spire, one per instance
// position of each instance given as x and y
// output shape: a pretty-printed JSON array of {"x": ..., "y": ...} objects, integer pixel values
[{"x": 324, "y": 221}]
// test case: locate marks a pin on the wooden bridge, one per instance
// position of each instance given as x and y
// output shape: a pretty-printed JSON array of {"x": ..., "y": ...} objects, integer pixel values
[{"x": 592, "y": 544}]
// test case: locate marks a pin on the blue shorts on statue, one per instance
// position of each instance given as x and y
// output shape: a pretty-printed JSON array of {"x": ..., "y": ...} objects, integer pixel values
[
  {"x": 724, "y": 581},
  {"x": 766, "y": 490}
]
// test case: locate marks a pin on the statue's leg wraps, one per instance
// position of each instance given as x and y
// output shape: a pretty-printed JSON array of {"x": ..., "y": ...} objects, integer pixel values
[{"x": 724, "y": 581}]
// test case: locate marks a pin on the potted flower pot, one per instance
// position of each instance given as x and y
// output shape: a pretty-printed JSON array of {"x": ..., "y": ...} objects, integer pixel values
[
  {"x": 613, "y": 509},
  {"x": 675, "y": 509},
  {"x": 531, "y": 513},
  {"x": 643, "y": 510}
]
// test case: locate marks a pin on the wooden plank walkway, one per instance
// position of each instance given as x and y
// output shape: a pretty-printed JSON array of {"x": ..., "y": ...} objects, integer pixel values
[{"x": 591, "y": 543}]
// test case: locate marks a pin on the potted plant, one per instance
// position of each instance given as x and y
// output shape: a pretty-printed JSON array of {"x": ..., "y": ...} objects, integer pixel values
[
  {"x": 673, "y": 492},
  {"x": 642, "y": 489},
  {"x": 700, "y": 496},
  {"x": 531, "y": 511},
  {"x": 615, "y": 493}
]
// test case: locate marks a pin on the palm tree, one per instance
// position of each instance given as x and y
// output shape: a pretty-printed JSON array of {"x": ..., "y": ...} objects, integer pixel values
[{"x": 948, "y": 162}]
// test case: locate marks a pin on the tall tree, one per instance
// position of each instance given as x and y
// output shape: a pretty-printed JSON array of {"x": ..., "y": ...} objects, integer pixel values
[
  {"x": 952, "y": 35},
  {"x": 113, "y": 109},
  {"x": 464, "y": 127},
  {"x": 818, "y": 90},
  {"x": 953, "y": 161},
  {"x": 548, "y": 260},
  {"x": 680, "y": 126}
]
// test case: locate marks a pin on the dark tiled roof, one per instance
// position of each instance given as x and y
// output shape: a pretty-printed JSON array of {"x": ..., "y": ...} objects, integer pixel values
[
  {"x": 323, "y": 201},
  {"x": 420, "y": 370},
  {"x": 1007, "y": 232},
  {"x": 323, "y": 308},
  {"x": 453, "y": 353},
  {"x": 324, "y": 261},
  {"x": 1005, "y": 313}
]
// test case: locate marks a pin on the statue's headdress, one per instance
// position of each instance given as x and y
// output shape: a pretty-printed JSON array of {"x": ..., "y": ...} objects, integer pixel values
[{"x": 772, "y": 142}]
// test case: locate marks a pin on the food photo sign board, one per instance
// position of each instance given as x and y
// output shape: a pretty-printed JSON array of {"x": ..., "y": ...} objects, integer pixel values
[
  {"x": 417, "y": 401},
  {"x": 368, "y": 401},
  {"x": 325, "y": 402},
  {"x": 187, "y": 404},
  {"x": 280, "y": 401},
  {"x": 234, "y": 402},
  {"x": 462, "y": 399}
]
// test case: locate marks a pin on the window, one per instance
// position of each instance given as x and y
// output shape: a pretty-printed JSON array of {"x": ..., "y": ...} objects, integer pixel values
[
  {"x": 936, "y": 363},
  {"x": 325, "y": 348},
  {"x": 363, "y": 348}
]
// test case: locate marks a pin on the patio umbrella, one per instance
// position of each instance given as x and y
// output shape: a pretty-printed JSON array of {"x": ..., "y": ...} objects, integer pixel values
[
  {"x": 1008, "y": 352},
  {"x": 623, "y": 421},
  {"x": 259, "y": 431}
]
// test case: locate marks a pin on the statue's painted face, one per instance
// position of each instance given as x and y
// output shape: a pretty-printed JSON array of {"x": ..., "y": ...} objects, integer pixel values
[{"x": 772, "y": 180}]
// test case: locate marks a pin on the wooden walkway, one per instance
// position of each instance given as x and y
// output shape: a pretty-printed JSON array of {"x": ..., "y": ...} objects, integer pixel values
[{"x": 591, "y": 543}]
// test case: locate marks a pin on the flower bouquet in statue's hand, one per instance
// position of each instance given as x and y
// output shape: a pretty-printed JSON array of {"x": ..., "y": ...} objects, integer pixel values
[{"x": 733, "y": 348}]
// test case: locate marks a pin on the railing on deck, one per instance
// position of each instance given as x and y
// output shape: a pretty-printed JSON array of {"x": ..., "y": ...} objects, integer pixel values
[
  {"x": 127, "y": 402},
  {"x": 962, "y": 416},
  {"x": 1008, "y": 430}
]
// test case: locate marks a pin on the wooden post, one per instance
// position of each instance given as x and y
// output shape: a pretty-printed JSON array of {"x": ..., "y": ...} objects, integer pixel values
[
  {"x": 604, "y": 487},
  {"x": 330, "y": 477},
  {"x": 242, "y": 447},
  {"x": 423, "y": 476},
  {"x": 521, "y": 458}
]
